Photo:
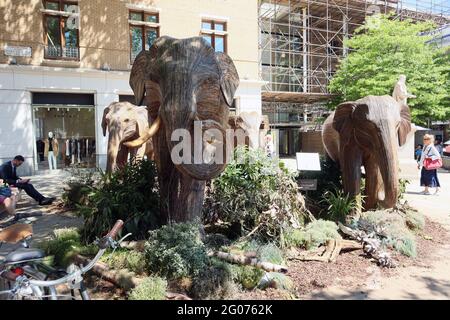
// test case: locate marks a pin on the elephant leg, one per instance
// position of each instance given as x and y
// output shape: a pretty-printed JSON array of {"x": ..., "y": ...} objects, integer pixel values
[{"x": 374, "y": 183}]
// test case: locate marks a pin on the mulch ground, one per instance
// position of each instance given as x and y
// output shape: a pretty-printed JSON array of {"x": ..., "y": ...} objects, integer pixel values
[{"x": 352, "y": 270}]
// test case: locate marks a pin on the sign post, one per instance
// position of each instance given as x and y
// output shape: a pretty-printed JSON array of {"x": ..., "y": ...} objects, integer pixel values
[{"x": 308, "y": 162}]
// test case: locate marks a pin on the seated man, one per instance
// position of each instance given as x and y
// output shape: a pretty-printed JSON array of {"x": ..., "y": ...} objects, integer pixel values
[{"x": 8, "y": 173}]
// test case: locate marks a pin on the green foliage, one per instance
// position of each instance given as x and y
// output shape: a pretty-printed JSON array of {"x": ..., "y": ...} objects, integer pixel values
[
  {"x": 79, "y": 186},
  {"x": 257, "y": 193},
  {"x": 384, "y": 48},
  {"x": 276, "y": 280},
  {"x": 151, "y": 288},
  {"x": 64, "y": 245},
  {"x": 176, "y": 251},
  {"x": 215, "y": 282},
  {"x": 130, "y": 194},
  {"x": 340, "y": 204},
  {"x": 403, "y": 183},
  {"x": 270, "y": 253},
  {"x": 414, "y": 220},
  {"x": 126, "y": 259},
  {"x": 313, "y": 235},
  {"x": 395, "y": 230},
  {"x": 248, "y": 276}
]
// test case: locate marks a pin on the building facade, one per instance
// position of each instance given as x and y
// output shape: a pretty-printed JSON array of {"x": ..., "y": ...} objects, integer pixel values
[
  {"x": 62, "y": 62},
  {"x": 301, "y": 43}
]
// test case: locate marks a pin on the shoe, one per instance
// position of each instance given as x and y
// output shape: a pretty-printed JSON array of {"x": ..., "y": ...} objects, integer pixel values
[
  {"x": 46, "y": 201},
  {"x": 427, "y": 193}
]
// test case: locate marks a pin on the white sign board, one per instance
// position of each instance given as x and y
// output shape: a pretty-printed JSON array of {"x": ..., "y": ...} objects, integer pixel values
[
  {"x": 18, "y": 51},
  {"x": 308, "y": 162}
]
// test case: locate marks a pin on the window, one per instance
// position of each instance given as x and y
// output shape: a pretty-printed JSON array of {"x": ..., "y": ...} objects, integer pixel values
[
  {"x": 215, "y": 34},
  {"x": 61, "y": 35},
  {"x": 144, "y": 30}
]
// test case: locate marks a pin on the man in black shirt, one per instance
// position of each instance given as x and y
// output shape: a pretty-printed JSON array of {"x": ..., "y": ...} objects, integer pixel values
[{"x": 8, "y": 174}]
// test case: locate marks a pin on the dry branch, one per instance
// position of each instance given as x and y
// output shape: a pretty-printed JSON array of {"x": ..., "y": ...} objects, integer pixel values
[
  {"x": 244, "y": 260},
  {"x": 371, "y": 245}
]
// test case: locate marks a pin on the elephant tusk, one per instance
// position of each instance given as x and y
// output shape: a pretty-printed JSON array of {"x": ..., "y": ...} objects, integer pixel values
[{"x": 147, "y": 136}]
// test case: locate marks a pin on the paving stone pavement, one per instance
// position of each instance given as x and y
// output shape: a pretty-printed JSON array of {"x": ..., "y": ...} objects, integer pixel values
[{"x": 50, "y": 185}]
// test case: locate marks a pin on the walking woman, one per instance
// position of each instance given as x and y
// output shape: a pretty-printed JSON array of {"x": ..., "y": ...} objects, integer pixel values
[{"x": 429, "y": 178}]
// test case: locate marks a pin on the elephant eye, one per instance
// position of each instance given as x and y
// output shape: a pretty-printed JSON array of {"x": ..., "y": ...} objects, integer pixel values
[{"x": 127, "y": 120}]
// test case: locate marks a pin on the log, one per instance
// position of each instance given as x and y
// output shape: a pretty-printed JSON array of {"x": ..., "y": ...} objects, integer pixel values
[
  {"x": 122, "y": 278},
  {"x": 332, "y": 250},
  {"x": 244, "y": 260}
]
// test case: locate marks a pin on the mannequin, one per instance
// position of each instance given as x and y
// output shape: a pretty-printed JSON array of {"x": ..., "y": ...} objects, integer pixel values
[{"x": 51, "y": 150}]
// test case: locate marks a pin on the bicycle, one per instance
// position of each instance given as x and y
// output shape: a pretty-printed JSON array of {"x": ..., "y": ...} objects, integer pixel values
[{"x": 24, "y": 276}]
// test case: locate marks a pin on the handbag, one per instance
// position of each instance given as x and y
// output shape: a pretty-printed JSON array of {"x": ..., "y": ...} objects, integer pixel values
[
  {"x": 5, "y": 192},
  {"x": 430, "y": 164}
]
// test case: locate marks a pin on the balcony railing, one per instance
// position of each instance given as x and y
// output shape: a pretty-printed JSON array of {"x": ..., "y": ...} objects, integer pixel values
[{"x": 55, "y": 52}]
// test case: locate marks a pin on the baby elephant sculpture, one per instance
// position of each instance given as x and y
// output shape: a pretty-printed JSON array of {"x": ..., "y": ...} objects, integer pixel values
[
  {"x": 253, "y": 128},
  {"x": 125, "y": 122},
  {"x": 186, "y": 85},
  {"x": 367, "y": 133}
]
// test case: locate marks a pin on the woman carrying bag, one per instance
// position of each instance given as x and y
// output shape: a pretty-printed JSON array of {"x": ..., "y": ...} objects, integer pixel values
[{"x": 430, "y": 161}]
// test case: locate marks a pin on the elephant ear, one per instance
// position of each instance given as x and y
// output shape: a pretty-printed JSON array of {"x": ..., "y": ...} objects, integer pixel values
[
  {"x": 137, "y": 76},
  {"x": 229, "y": 79},
  {"x": 343, "y": 115},
  {"x": 105, "y": 121},
  {"x": 405, "y": 124}
]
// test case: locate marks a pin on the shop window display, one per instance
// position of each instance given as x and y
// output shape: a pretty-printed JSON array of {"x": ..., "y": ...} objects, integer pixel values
[{"x": 65, "y": 137}]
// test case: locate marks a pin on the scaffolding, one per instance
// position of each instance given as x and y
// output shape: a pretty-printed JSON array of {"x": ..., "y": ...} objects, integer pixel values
[{"x": 301, "y": 41}]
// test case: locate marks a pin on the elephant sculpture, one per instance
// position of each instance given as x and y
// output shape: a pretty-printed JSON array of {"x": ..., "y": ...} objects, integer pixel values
[
  {"x": 254, "y": 127},
  {"x": 368, "y": 133},
  {"x": 125, "y": 122},
  {"x": 184, "y": 83}
]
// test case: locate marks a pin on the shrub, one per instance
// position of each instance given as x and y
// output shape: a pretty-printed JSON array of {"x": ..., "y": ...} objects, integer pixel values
[
  {"x": 130, "y": 194},
  {"x": 126, "y": 259},
  {"x": 151, "y": 288},
  {"x": 395, "y": 230},
  {"x": 313, "y": 235},
  {"x": 176, "y": 251},
  {"x": 403, "y": 183},
  {"x": 340, "y": 205},
  {"x": 214, "y": 283},
  {"x": 79, "y": 186},
  {"x": 277, "y": 281},
  {"x": 64, "y": 245},
  {"x": 255, "y": 192},
  {"x": 248, "y": 276}
]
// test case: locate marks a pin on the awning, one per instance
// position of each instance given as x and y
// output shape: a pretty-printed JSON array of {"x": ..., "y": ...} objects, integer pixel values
[{"x": 419, "y": 128}]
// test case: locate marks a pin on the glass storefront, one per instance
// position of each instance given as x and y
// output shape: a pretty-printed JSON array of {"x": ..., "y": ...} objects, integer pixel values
[{"x": 65, "y": 136}]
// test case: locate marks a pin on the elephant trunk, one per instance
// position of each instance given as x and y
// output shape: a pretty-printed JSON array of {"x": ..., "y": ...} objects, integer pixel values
[
  {"x": 388, "y": 159},
  {"x": 197, "y": 164}
]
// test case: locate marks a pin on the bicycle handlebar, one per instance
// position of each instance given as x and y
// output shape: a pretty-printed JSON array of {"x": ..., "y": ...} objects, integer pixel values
[
  {"x": 103, "y": 244},
  {"x": 115, "y": 229}
]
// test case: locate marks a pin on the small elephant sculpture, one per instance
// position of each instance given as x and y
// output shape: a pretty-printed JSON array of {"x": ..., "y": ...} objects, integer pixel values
[
  {"x": 368, "y": 133},
  {"x": 254, "y": 128},
  {"x": 125, "y": 122},
  {"x": 184, "y": 82}
]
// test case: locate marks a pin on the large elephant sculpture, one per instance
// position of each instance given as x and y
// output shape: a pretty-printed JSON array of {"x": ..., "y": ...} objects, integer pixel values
[
  {"x": 368, "y": 133},
  {"x": 184, "y": 82},
  {"x": 125, "y": 122}
]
